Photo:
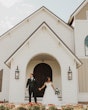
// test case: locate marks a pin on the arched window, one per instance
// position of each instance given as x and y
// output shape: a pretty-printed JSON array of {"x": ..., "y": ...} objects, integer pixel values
[
  {"x": 86, "y": 45},
  {"x": 1, "y": 75}
]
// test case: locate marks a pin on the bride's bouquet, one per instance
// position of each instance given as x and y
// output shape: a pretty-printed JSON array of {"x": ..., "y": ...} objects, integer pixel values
[{"x": 57, "y": 91}]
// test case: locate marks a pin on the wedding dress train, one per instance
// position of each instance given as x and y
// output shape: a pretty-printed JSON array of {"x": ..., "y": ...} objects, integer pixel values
[{"x": 49, "y": 95}]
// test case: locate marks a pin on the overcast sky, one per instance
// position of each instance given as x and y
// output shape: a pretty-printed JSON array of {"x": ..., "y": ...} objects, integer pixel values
[{"x": 13, "y": 11}]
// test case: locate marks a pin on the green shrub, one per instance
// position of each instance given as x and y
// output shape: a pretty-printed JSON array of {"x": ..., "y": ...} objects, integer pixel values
[
  {"x": 86, "y": 107},
  {"x": 67, "y": 107},
  {"x": 52, "y": 108},
  {"x": 42, "y": 107},
  {"x": 2, "y": 107},
  {"x": 21, "y": 108},
  {"x": 29, "y": 108},
  {"x": 35, "y": 107}
]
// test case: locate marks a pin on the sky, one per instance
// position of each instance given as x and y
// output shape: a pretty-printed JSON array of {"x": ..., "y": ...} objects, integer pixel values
[{"x": 14, "y": 11}]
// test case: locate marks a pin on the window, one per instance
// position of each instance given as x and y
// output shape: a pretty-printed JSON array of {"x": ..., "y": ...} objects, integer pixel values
[
  {"x": 86, "y": 45},
  {"x": 1, "y": 75},
  {"x": 87, "y": 14}
]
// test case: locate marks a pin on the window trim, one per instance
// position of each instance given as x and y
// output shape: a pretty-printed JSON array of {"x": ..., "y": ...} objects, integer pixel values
[
  {"x": 85, "y": 46},
  {"x": 1, "y": 72}
]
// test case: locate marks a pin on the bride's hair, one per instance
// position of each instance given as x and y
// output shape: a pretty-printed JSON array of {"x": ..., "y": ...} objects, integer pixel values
[{"x": 48, "y": 78}]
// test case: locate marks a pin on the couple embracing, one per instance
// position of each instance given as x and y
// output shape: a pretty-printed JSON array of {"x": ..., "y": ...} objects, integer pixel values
[{"x": 49, "y": 96}]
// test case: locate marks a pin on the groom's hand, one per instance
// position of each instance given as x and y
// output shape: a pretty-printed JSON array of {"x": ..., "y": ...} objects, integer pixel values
[{"x": 39, "y": 89}]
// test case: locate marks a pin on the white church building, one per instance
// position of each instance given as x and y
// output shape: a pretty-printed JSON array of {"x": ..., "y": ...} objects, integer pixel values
[{"x": 43, "y": 44}]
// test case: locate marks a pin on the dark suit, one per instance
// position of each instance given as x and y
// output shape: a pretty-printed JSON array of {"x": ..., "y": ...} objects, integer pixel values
[{"x": 31, "y": 84}]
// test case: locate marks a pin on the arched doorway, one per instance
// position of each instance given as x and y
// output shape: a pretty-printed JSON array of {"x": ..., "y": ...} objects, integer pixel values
[
  {"x": 40, "y": 65},
  {"x": 41, "y": 72}
]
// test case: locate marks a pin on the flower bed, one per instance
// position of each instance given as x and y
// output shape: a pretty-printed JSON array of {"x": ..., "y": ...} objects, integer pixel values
[
  {"x": 29, "y": 106},
  {"x": 39, "y": 106},
  {"x": 74, "y": 107},
  {"x": 6, "y": 106}
]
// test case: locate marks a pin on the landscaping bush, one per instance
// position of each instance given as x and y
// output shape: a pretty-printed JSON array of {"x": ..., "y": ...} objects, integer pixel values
[
  {"x": 21, "y": 108},
  {"x": 78, "y": 107},
  {"x": 52, "y": 108},
  {"x": 35, "y": 107},
  {"x": 42, "y": 107},
  {"x": 2, "y": 107},
  {"x": 86, "y": 107},
  {"x": 67, "y": 107}
]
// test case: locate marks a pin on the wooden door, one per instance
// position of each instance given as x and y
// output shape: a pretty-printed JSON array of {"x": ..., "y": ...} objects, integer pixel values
[{"x": 41, "y": 72}]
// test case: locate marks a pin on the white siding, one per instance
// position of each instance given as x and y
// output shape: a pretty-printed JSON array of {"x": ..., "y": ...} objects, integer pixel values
[
  {"x": 81, "y": 31},
  {"x": 38, "y": 45}
]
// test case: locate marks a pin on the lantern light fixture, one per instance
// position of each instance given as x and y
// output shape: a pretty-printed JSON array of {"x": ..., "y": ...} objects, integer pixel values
[{"x": 17, "y": 73}]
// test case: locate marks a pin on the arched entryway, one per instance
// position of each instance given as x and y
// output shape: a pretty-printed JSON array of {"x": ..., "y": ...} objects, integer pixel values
[
  {"x": 41, "y": 72},
  {"x": 44, "y": 65}
]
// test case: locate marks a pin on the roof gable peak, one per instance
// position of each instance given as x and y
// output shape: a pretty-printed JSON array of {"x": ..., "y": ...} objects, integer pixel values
[
  {"x": 71, "y": 19},
  {"x": 57, "y": 37},
  {"x": 39, "y": 10}
]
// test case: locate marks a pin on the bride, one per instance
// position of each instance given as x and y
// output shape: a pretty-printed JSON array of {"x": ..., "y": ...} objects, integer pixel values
[{"x": 49, "y": 95}]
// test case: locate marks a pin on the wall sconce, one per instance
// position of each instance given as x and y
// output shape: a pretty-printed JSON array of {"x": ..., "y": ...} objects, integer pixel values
[
  {"x": 17, "y": 73},
  {"x": 69, "y": 74}
]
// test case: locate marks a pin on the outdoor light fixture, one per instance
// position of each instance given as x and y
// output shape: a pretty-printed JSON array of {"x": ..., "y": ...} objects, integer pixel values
[
  {"x": 17, "y": 73},
  {"x": 69, "y": 74}
]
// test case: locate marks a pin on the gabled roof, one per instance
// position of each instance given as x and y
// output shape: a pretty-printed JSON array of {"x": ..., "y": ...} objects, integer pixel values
[
  {"x": 77, "y": 11},
  {"x": 59, "y": 40},
  {"x": 42, "y": 8}
]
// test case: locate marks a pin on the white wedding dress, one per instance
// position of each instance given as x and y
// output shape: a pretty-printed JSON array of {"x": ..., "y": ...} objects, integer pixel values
[{"x": 49, "y": 95}]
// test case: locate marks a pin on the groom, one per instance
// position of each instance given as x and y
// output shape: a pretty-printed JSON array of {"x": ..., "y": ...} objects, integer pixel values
[{"x": 31, "y": 84}]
